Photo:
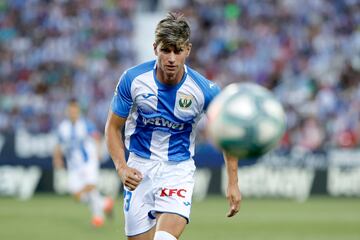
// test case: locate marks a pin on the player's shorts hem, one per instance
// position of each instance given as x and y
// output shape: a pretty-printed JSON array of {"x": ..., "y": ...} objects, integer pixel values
[
  {"x": 151, "y": 214},
  {"x": 133, "y": 234}
]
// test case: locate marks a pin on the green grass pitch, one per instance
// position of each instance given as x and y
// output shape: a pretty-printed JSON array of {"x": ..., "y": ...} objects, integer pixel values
[{"x": 60, "y": 218}]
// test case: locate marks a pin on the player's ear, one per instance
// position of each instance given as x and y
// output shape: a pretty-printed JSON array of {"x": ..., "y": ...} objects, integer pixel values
[
  {"x": 188, "y": 49},
  {"x": 155, "y": 49}
]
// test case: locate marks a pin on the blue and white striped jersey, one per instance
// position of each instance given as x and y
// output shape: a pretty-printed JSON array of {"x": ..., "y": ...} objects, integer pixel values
[
  {"x": 161, "y": 119},
  {"x": 77, "y": 142}
]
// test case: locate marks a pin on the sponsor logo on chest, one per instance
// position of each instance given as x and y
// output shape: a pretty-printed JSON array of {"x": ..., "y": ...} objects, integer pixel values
[{"x": 162, "y": 122}]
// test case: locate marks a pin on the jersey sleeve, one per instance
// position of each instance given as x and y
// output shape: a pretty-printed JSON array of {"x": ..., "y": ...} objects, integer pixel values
[
  {"x": 212, "y": 91},
  {"x": 122, "y": 100},
  {"x": 209, "y": 88}
]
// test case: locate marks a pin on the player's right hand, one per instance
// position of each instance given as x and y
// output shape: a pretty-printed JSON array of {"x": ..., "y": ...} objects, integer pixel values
[
  {"x": 234, "y": 198},
  {"x": 130, "y": 177}
]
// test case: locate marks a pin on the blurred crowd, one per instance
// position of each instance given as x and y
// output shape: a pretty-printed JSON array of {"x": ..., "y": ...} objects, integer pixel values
[
  {"x": 307, "y": 52},
  {"x": 51, "y": 51}
]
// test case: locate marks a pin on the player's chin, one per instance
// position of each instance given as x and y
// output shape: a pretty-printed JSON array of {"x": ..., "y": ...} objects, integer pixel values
[{"x": 170, "y": 74}]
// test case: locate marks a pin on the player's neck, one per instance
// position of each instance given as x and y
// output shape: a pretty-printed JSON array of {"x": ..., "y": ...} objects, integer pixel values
[
  {"x": 73, "y": 120},
  {"x": 167, "y": 79}
]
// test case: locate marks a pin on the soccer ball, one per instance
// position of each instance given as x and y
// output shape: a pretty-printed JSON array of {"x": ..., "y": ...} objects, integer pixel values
[{"x": 246, "y": 120}]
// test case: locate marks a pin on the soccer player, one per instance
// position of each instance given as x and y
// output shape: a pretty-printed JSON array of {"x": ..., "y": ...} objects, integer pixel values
[
  {"x": 78, "y": 141},
  {"x": 160, "y": 103}
]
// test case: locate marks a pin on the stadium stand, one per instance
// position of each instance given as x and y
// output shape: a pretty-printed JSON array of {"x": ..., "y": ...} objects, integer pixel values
[{"x": 309, "y": 56}]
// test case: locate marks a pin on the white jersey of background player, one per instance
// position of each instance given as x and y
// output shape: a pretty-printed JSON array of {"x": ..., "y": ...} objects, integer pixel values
[
  {"x": 160, "y": 103},
  {"x": 78, "y": 142}
]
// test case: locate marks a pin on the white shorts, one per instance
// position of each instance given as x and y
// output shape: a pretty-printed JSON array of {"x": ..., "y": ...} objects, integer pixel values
[
  {"x": 166, "y": 187},
  {"x": 87, "y": 174}
]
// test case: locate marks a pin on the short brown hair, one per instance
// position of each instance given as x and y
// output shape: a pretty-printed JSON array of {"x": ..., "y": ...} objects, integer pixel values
[{"x": 173, "y": 31}]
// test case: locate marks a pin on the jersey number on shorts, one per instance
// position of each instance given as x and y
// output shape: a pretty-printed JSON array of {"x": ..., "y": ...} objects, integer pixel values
[{"x": 127, "y": 198}]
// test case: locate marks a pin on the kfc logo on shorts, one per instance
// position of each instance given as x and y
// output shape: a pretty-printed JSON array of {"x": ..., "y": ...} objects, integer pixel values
[{"x": 169, "y": 192}]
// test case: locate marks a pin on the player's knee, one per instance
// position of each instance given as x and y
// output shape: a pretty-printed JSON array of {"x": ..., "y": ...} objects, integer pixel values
[{"x": 162, "y": 235}]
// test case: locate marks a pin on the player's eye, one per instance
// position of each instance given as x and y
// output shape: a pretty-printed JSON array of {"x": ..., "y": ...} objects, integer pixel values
[
  {"x": 178, "y": 51},
  {"x": 165, "y": 50}
]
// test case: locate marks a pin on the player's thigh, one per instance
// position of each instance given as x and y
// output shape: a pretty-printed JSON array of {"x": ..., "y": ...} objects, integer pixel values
[
  {"x": 149, "y": 235},
  {"x": 171, "y": 223},
  {"x": 175, "y": 188},
  {"x": 90, "y": 173},
  {"x": 137, "y": 205}
]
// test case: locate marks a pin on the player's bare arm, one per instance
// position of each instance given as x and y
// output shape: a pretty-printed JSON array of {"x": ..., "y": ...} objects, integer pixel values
[
  {"x": 58, "y": 161},
  {"x": 233, "y": 192},
  {"x": 130, "y": 177}
]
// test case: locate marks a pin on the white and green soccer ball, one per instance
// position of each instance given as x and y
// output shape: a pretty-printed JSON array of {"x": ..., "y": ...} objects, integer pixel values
[{"x": 246, "y": 120}]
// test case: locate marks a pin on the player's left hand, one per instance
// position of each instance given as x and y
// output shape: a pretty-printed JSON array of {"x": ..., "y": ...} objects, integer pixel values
[{"x": 234, "y": 197}]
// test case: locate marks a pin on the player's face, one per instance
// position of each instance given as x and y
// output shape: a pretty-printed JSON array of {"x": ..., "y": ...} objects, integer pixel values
[
  {"x": 171, "y": 62},
  {"x": 73, "y": 112}
]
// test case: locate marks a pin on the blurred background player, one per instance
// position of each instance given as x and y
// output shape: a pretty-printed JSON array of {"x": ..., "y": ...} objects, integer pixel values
[
  {"x": 78, "y": 142},
  {"x": 160, "y": 103}
]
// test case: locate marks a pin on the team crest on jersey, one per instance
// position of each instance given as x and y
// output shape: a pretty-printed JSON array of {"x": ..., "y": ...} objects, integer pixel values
[{"x": 185, "y": 101}]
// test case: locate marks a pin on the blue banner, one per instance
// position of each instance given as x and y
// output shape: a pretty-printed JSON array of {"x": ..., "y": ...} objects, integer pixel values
[{"x": 25, "y": 149}]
